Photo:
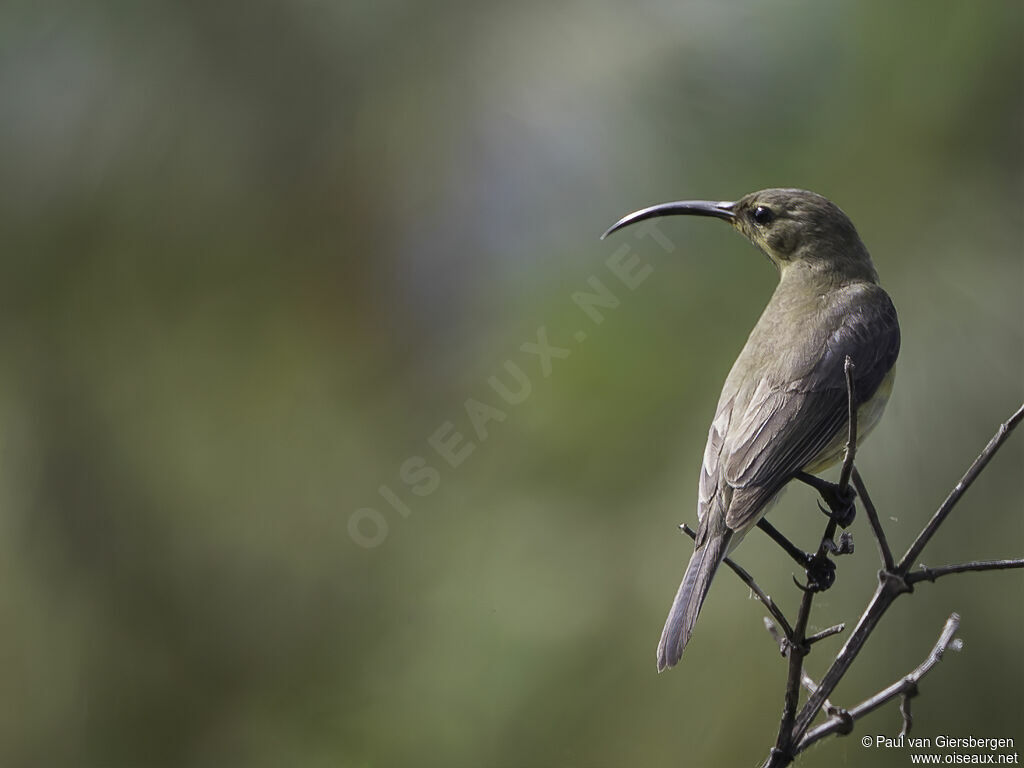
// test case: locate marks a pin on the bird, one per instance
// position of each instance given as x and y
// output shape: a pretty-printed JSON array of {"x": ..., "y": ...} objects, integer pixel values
[{"x": 784, "y": 408}]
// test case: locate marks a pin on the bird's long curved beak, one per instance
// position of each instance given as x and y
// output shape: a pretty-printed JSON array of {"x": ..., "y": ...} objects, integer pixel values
[{"x": 721, "y": 210}]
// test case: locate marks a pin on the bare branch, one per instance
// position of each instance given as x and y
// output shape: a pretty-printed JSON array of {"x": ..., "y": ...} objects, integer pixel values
[
  {"x": 906, "y": 687},
  {"x": 785, "y": 742},
  {"x": 780, "y": 639},
  {"x": 795, "y": 732},
  {"x": 876, "y": 526},
  {"x": 783, "y": 752},
  {"x": 798, "y": 555},
  {"x": 811, "y": 687},
  {"x": 965, "y": 482},
  {"x": 851, "y": 441},
  {"x": 893, "y": 583},
  {"x": 834, "y": 630},
  {"x": 908, "y": 719},
  {"x": 931, "y": 574}
]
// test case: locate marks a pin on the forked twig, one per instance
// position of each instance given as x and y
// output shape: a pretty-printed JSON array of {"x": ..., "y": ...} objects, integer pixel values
[
  {"x": 895, "y": 579},
  {"x": 905, "y": 687},
  {"x": 960, "y": 489},
  {"x": 784, "y": 750},
  {"x": 931, "y": 574}
]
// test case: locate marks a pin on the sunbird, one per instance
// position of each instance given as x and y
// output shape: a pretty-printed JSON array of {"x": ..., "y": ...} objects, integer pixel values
[{"x": 784, "y": 408}]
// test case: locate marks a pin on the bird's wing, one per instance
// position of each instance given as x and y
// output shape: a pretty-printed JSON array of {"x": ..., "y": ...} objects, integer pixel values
[{"x": 786, "y": 424}]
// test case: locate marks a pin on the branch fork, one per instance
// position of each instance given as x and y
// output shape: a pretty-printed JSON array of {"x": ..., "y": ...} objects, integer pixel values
[{"x": 795, "y": 732}]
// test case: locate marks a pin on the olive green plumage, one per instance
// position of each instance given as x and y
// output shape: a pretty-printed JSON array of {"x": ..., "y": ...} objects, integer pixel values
[{"x": 783, "y": 408}]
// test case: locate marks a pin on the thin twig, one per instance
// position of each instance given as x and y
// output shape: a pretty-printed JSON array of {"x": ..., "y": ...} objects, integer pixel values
[
  {"x": 876, "y": 526},
  {"x": 880, "y": 601},
  {"x": 931, "y": 574},
  {"x": 906, "y": 687},
  {"x": 786, "y": 740},
  {"x": 799, "y": 648},
  {"x": 811, "y": 687},
  {"x": 780, "y": 639},
  {"x": 892, "y": 584},
  {"x": 835, "y": 630},
  {"x": 851, "y": 440},
  {"x": 747, "y": 579},
  {"x": 965, "y": 482},
  {"x": 908, "y": 718},
  {"x": 791, "y": 549}
]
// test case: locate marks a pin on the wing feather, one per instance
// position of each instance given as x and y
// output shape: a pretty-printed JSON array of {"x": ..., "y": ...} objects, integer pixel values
[{"x": 792, "y": 416}]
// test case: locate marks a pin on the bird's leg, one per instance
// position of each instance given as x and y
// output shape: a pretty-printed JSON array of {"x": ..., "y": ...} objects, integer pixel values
[
  {"x": 803, "y": 559},
  {"x": 821, "y": 572},
  {"x": 840, "y": 502}
]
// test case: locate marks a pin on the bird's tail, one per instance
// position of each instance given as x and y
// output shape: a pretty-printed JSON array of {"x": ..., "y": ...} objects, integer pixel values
[{"x": 690, "y": 597}]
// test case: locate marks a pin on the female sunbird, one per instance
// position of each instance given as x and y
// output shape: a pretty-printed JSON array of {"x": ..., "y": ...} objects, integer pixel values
[{"x": 784, "y": 407}]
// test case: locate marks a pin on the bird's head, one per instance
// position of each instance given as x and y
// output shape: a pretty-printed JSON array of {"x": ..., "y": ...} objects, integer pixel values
[{"x": 790, "y": 226}]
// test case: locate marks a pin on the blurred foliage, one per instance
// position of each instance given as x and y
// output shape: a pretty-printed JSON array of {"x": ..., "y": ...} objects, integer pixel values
[{"x": 256, "y": 255}]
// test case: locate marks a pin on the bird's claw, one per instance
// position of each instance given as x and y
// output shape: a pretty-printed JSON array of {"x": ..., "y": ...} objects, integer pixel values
[
  {"x": 802, "y": 587},
  {"x": 840, "y": 503},
  {"x": 841, "y": 506},
  {"x": 821, "y": 574}
]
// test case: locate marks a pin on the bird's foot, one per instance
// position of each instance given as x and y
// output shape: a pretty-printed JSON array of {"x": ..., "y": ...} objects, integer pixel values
[
  {"x": 821, "y": 574},
  {"x": 840, "y": 502},
  {"x": 801, "y": 558}
]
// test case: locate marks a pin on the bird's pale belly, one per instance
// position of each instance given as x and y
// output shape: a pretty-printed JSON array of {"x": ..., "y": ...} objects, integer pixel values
[{"x": 867, "y": 417}]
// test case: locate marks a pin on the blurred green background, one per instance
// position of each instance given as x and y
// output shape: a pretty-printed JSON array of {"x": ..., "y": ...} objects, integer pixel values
[{"x": 256, "y": 255}]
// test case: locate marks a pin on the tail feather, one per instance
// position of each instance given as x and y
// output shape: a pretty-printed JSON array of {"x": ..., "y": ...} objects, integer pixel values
[{"x": 690, "y": 597}]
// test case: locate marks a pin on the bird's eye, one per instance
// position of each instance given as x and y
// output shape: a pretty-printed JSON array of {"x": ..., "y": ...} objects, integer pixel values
[{"x": 763, "y": 215}]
